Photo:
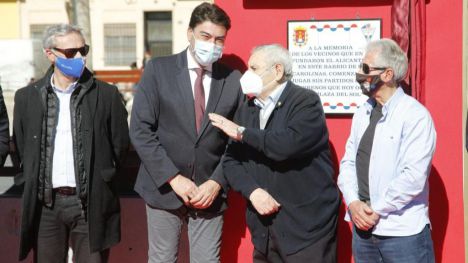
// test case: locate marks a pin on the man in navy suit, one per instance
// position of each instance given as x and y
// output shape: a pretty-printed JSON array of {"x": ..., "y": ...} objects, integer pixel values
[{"x": 180, "y": 176}]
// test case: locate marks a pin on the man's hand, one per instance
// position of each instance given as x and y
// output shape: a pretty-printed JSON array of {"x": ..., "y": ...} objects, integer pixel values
[
  {"x": 362, "y": 215},
  {"x": 263, "y": 202},
  {"x": 227, "y": 126},
  {"x": 183, "y": 187},
  {"x": 207, "y": 193}
]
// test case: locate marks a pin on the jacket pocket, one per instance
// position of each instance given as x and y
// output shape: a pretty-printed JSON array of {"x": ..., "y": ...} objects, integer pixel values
[
  {"x": 19, "y": 179},
  {"x": 108, "y": 174}
]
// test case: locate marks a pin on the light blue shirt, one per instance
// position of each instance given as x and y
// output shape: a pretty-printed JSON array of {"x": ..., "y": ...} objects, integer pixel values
[
  {"x": 267, "y": 106},
  {"x": 400, "y": 163}
]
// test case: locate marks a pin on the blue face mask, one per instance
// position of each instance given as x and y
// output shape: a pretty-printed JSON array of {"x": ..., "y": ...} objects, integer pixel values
[{"x": 72, "y": 67}]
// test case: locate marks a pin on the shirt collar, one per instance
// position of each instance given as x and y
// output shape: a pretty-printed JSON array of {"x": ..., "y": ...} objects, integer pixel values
[
  {"x": 389, "y": 105},
  {"x": 272, "y": 98},
  {"x": 192, "y": 64},
  {"x": 276, "y": 94},
  {"x": 259, "y": 103},
  {"x": 393, "y": 101},
  {"x": 68, "y": 90}
]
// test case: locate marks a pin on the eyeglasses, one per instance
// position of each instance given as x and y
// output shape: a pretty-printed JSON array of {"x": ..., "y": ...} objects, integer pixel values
[
  {"x": 71, "y": 52},
  {"x": 366, "y": 69}
]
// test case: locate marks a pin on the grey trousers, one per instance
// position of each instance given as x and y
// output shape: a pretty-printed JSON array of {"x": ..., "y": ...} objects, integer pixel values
[
  {"x": 62, "y": 226},
  {"x": 164, "y": 230}
]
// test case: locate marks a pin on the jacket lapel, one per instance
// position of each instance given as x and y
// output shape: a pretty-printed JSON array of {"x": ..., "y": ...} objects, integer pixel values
[
  {"x": 280, "y": 102},
  {"x": 254, "y": 118},
  {"x": 185, "y": 88},
  {"x": 285, "y": 93},
  {"x": 36, "y": 110}
]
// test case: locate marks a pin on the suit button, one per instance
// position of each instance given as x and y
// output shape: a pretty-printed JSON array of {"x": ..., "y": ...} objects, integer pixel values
[
  {"x": 196, "y": 146},
  {"x": 263, "y": 235}
]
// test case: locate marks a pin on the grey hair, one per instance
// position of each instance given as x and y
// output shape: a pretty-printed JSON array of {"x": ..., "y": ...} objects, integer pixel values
[
  {"x": 277, "y": 54},
  {"x": 389, "y": 54},
  {"x": 53, "y": 31}
]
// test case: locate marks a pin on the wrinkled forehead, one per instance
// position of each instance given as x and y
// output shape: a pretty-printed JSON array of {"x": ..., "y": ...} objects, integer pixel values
[{"x": 258, "y": 59}]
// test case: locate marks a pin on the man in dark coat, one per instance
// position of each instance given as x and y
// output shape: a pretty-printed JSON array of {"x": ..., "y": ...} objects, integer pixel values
[
  {"x": 180, "y": 176},
  {"x": 71, "y": 134},
  {"x": 4, "y": 131},
  {"x": 279, "y": 159}
]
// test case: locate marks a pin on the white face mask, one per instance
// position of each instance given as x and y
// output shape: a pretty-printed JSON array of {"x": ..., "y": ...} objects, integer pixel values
[
  {"x": 206, "y": 53},
  {"x": 252, "y": 83}
]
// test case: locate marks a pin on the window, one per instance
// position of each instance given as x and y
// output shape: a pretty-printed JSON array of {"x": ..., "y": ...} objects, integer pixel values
[
  {"x": 158, "y": 33},
  {"x": 119, "y": 44}
]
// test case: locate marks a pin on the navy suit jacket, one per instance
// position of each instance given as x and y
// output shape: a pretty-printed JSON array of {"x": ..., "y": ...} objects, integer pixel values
[{"x": 163, "y": 129}]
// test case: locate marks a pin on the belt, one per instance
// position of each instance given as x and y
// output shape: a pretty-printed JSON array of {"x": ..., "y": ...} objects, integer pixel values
[{"x": 65, "y": 190}]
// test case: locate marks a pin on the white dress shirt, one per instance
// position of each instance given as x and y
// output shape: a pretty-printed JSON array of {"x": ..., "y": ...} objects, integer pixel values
[
  {"x": 267, "y": 106},
  {"x": 63, "y": 166},
  {"x": 400, "y": 163},
  {"x": 192, "y": 65}
]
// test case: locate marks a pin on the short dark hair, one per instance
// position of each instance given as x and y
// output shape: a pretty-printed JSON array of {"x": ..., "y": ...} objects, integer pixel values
[{"x": 209, "y": 12}]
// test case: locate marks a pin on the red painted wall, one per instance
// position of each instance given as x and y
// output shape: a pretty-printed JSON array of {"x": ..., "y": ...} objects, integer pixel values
[{"x": 257, "y": 22}]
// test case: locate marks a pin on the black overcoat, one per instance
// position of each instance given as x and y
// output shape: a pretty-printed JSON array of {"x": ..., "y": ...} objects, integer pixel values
[
  {"x": 4, "y": 130},
  {"x": 104, "y": 133}
]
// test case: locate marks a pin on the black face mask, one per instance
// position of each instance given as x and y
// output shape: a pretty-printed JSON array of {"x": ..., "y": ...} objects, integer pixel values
[{"x": 368, "y": 83}]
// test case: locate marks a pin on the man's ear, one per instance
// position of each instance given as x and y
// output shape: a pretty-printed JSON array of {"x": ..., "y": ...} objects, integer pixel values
[
  {"x": 189, "y": 34},
  {"x": 49, "y": 55},
  {"x": 279, "y": 70},
  {"x": 388, "y": 75}
]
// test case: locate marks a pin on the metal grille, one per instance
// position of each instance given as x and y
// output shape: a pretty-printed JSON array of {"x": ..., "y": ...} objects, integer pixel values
[
  {"x": 119, "y": 44},
  {"x": 159, "y": 33}
]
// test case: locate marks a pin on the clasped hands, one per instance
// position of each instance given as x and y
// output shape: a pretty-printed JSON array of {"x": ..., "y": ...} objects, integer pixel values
[
  {"x": 362, "y": 215},
  {"x": 199, "y": 197}
]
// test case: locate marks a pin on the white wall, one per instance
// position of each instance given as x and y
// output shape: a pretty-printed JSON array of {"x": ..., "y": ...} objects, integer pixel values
[{"x": 16, "y": 63}]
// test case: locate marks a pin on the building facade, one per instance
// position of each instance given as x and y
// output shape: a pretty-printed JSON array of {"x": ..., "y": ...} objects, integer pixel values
[{"x": 121, "y": 30}]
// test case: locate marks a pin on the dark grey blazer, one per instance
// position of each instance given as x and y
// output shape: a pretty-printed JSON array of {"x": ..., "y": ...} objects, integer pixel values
[{"x": 163, "y": 130}]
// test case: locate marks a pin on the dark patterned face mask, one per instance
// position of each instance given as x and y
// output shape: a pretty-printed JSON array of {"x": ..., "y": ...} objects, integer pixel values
[{"x": 368, "y": 83}]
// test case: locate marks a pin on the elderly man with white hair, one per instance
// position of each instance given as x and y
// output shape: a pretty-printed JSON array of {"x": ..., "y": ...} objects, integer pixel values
[
  {"x": 384, "y": 172},
  {"x": 279, "y": 160}
]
